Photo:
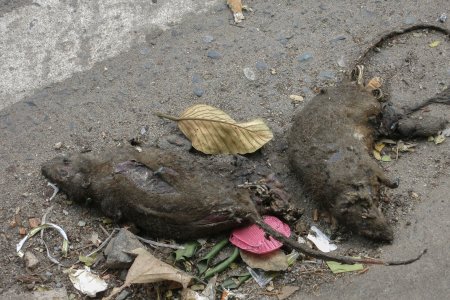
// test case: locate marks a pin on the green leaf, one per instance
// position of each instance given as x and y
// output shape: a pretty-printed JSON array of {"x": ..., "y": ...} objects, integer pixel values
[
  {"x": 188, "y": 251},
  {"x": 386, "y": 158},
  {"x": 234, "y": 282},
  {"x": 203, "y": 263},
  {"x": 223, "y": 265},
  {"x": 87, "y": 260}
]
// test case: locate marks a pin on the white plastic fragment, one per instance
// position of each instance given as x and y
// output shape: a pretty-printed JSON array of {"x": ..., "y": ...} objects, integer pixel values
[
  {"x": 321, "y": 241},
  {"x": 65, "y": 246},
  {"x": 261, "y": 277},
  {"x": 87, "y": 282},
  {"x": 55, "y": 190}
]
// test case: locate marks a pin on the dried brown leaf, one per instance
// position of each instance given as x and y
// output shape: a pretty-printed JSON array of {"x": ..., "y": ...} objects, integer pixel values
[
  {"x": 147, "y": 269},
  {"x": 212, "y": 131}
]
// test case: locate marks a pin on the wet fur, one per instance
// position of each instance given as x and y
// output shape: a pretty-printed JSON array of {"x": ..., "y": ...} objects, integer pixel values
[
  {"x": 161, "y": 192},
  {"x": 329, "y": 146}
]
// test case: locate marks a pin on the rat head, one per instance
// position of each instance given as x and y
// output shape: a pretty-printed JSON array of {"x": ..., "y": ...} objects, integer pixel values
[
  {"x": 69, "y": 175},
  {"x": 360, "y": 214}
]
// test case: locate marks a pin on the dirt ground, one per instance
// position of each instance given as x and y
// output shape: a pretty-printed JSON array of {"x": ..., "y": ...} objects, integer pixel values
[{"x": 113, "y": 101}]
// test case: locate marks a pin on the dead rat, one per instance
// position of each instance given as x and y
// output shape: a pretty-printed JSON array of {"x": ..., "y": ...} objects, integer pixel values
[
  {"x": 329, "y": 145},
  {"x": 166, "y": 195},
  {"x": 396, "y": 122}
]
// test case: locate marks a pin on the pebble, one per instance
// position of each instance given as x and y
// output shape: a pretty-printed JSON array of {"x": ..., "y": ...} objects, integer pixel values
[
  {"x": 31, "y": 261},
  {"x": 58, "y": 146},
  {"x": 249, "y": 74},
  {"x": 199, "y": 91},
  {"x": 261, "y": 66},
  {"x": 214, "y": 54},
  {"x": 305, "y": 57},
  {"x": 443, "y": 18},
  {"x": 207, "y": 39},
  {"x": 296, "y": 98},
  {"x": 327, "y": 75},
  {"x": 125, "y": 241},
  {"x": 81, "y": 223}
]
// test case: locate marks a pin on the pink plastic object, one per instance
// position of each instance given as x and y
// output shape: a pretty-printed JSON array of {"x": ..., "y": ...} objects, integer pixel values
[{"x": 253, "y": 238}]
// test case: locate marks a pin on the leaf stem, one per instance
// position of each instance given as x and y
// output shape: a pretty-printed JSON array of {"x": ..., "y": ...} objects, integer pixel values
[{"x": 165, "y": 116}]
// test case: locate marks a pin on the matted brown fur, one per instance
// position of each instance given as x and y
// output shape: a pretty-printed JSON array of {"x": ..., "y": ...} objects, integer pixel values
[{"x": 329, "y": 145}]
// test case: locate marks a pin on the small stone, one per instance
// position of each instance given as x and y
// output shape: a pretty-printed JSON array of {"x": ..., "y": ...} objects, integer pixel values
[
  {"x": 81, "y": 223},
  {"x": 198, "y": 91},
  {"x": 410, "y": 20},
  {"x": 196, "y": 78},
  {"x": 207, "y": 39},
  {"x": 34, "y": 222},
  {"x": 214, "y": 54},
  {"x": 296, "y": 98},
  {"x": 57, "y": 146},
  {"x": 125, "y": 241},
  {"x": 31, "y": 261},
  {"x": 249, "y": 74},
  {"x": 327, "y": 75},
  {"x": 273, "y": 71},
  {"x": 339, "y": 38},
  {"x": 261, "y": 66},
  {"x": 305, "y": 57}
]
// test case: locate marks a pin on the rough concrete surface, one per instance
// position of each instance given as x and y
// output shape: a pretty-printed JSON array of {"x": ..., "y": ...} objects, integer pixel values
[{"x": 89, "y": 74}]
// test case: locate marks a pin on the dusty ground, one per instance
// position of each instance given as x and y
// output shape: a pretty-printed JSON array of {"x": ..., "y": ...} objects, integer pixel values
[{"x": 110, "y": 103}]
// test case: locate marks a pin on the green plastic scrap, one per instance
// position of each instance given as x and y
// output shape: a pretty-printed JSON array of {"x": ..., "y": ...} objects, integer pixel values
[{"x": 336, "y": 267}]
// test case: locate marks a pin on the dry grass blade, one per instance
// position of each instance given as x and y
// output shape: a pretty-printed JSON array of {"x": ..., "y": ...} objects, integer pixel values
[{"x": 212, "y": 131}]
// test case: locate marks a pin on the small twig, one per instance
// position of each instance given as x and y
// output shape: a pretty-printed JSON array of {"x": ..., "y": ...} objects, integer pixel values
[
  {"x": 327, "y": 256},
  {"x": 157, "y": 244},
  {"x": 104, "y": 230}
]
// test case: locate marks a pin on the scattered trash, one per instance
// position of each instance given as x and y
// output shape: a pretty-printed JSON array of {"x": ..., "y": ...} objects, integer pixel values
[
  {"x": 443, "y": 18},
  {"x": 321, "y": 241},
  {"x": 249, "y": 74},
  {"x": 86, "y": 282},
  {"x": 261, "y": 277},
  {"x": 147, "y": 269},
  {"x": 65, "y": 245},
  {"x": 241, "y": 138},
  {"x": 286, "y": 291},
  {"x": 209, "y": 293},
  {"x": 254, "y": 239},
  {"x": 55, "y": 191},
  {"x": 296, "y": 98},
  {"x": 337, "y": 268},
  {"x": 273, "y": 261},
  {"x": 434, "y": 44}
]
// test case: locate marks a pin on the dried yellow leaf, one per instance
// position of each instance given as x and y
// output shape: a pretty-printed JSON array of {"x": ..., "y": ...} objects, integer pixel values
[
  {"x": 374, "y": 83},
  {"x": 434, "y": 44},
  {"x": 212, "y": 131},
  {"x": 379, "y": 146},
  {"x": 377, "y": 155}
]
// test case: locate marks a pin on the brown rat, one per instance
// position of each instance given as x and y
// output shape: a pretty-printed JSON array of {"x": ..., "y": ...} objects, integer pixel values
[
  {"x": 329, "y": 145},
  {"x": 155, "y": 189},
  {"x": 167, "y": 195}
]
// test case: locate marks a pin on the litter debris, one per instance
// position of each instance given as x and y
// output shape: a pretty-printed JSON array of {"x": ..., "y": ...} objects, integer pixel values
[
  {"x": 253, "y": 238},
  {"x": 321, "y": 241},
  {"x": 273, "y": 261},
  {"x": 337, "y": 268},
  {"x": 147, "y": 269},
  {"x": 65, "y": 245},
  {"x": 55, "y": 190},
  {"x": 86, "y": 282},
  {"x": 261, "y": 277}
]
